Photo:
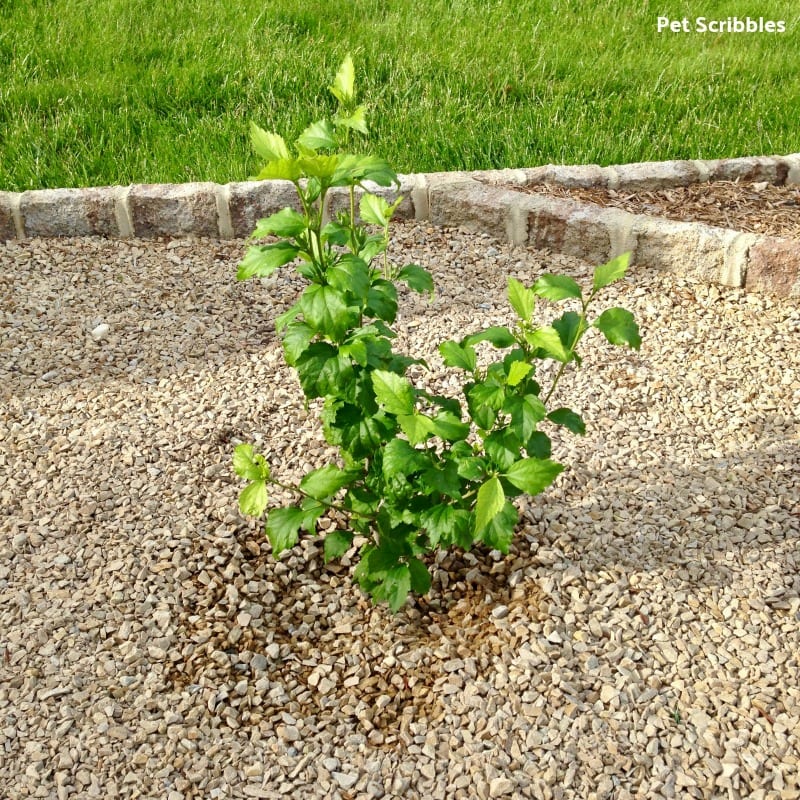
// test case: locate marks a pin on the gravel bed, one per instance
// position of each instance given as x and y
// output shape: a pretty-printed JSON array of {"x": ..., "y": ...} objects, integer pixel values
[{"x": 641, "y": 640}]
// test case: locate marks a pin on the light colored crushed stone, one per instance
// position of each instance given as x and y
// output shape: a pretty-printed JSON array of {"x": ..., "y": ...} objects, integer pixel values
[{"x": 640, "y": 641}]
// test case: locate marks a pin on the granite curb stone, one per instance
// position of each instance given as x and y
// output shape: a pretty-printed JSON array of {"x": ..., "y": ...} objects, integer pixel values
[{"x": 488, "y": 201}]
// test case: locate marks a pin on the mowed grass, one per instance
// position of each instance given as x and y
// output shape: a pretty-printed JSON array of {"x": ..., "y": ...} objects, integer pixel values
[{"x": 96, "y": 92}]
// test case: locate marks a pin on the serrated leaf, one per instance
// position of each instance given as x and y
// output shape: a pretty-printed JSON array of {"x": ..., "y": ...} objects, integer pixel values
[
  {"x": 455, "y": 355},
  {"x": 393, "y": 392},
  {"x": 283, "y": 526},
  {"x": 296, "y": 340},
  {"x": 517, "y": 372},
  {"x": 350, "y": 274},
  {"x": 417, "y": 278},
  {"x": 548, "y": 340},
  {"x": 319, "y": 166},
  {"x": 248, "y": 464},
  {"x": 260, "y": 261},
  {"x": 539, "y": 445},
  {"x": 490, "y": 395},
  {"x": 326, "y": 481},
  {"x": 374, "y": 209},
  {"x": 318, "y": 135},
  {"x": 382, "y": 300},
  {"x": 400, "y": 458},
  {"x": 336, "y": 544},
  {"x": 570, "y": 327},
  {"x": 522, "y": 299},
  {"x": 619, "y": 327},
  {"x": 326, "y": 310},
  {"x": 355, "y": 121},
  {"x": 420, "y": 577},
  {"x": 282, "y": 169},
  {"x": 612, "y": 271},
  {"x": 282, "y": 320},
  {"x": 344, "y": 82},
  {"x": 569, "y": 419},
  {"x": 449, "y": 427},
  {"x": 533, "y": 475},
  {"x": 556, "y": 287},
  {"x": 356, "y": 169},
  {"x": 443, "y": 478},
  {"x": 499, "y": 533},
  {"x": 395, "y": 587},
  {"x": 526, "y": 413},
  {"x": 498, "y": 335},
  {"x": 490, "y": 502},
  {"x": 416, "y": 426},
  {"x": 253, "y": 498},
  {"x": 286, "y": 222},
  {"x": 268, "y": 146},
  {"x": 503, "y": 447},
  {"x": 444, "y": 524}
]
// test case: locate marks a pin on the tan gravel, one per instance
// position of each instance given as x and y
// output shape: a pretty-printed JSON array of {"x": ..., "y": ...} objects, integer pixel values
[{"x": 641, "y": 640}]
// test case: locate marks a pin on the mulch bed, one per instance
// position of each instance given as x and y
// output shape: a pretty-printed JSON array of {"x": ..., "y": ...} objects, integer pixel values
[{"x": 752, "y": 207}]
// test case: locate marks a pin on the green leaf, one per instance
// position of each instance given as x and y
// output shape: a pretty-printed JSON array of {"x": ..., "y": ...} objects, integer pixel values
[
  {"x": 521, "y": 298},
  {"x": 619, "y": 327},
  {"x": 455, "y": 355},
  {"x": 374, "y": 210},
  {"x": 420, "y": 577},
  {"x": 569, "y": 419},
  {"x": 253, "y": 498},
  {"x": 503, "y": 447},
  {"x": 497, "y": 335},
  {"x": 283, "y": 525},
  {"x": 286, "y": 222},
  {"x": 260, "y": 261},
  {"x": 612, "y": 271},
  {"x": 296, "y": 341},
  {"x": 443, "y": 479},
  {"x": 449, "y": 427},
  {"x": 539, "y": 445},
  {"x": 490, "y": 502},
  {"x": 526, "y": 413},
  {"x": 416, "y": 426},
  {"x": 318, "y": 135},
  {"x": 336, "y": 544},
  {"x": 319, "y": 166},
  {"x": 382, "y": 300},
  {"x": 393, "y": 392},
  {"x": 533, "y": 475},
  {"x": 446, "y": 525},
  {"x": 499, "y": 532},
  {"x": 268, "y": 146},
  {"x": 361, "y": 436},
  {"x": 326, "y": 310},
  {"x": 417, "y": 278},
  {"x": 249, "y": 465},
  {"x": 400, "y": 458},
  {"x": 282, "y": 320},
  {"x": 324, "y": 482},
  {"x": 490, "y": 395},
  {"x": 343, "y": 84},
  {"x": 395, "y": 587},
  {"x": 556, "y": 287},
  {"x": 282, "y": 169},
  {"x": 350, "y": 274},
  {"x": 517, "y": 372},
  {"x": 356, "y": 169},
  {"x": 354, "y": 121},
  {"x": 548, "y": 340},
  {"x": 312, "y": 363},
  {"x": 570, "y": 327}
]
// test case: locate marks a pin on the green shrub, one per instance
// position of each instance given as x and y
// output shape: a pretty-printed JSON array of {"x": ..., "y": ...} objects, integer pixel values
[{"x": 417, "y": 471}]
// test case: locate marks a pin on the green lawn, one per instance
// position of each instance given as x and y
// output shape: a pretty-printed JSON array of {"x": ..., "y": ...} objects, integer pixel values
[{"x": 97, "y": 92}]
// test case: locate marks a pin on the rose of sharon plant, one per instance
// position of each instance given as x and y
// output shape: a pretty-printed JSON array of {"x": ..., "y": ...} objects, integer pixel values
[{"x": 417, "y": 471}]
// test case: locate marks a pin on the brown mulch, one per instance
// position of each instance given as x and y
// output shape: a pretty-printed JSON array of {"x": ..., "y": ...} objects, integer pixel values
[{"x": 752, "y": 207}]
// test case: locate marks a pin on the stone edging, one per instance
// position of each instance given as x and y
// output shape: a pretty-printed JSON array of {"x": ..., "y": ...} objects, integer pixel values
[{"x": 478, "y": 200}]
